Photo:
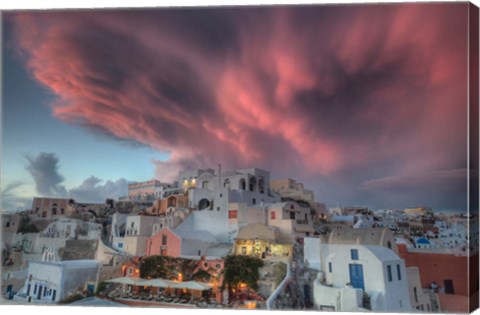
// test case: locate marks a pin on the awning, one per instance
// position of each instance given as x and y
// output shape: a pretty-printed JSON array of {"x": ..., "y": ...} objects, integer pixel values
[
  {"x": 126, "y": 280},
  {"x": 158, "y": 283},
  {"x": 192, "y": 285}
]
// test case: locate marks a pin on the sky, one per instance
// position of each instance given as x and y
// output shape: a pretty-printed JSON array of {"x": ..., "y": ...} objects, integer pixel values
[{"x": 365, "y": 104}]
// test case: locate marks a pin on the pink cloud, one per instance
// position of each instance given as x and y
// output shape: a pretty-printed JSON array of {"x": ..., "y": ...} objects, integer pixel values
[{"x": 321, "y": 89}]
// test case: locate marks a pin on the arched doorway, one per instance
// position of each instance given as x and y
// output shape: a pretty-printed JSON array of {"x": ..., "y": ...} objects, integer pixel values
[
  {"x": 172, "y": 201},
  {"x": 203, "y": 204}
]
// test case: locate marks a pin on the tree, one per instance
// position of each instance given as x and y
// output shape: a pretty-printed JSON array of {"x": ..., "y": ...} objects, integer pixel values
[
  {"x": 241, "y": 269},
  {"x": 167, "y": 267}
]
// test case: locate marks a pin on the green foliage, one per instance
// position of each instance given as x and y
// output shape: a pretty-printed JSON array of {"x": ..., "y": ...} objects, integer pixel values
[
  {"x": 167, "y": 267},
  {"x": 242, "y": 268},
  {"x": 280, "y": 270},
  {"x": 159, "y": 267},
  {"x": 26, "y": 226},
  {"x": 201, "y": 275},
  {"x": 101, "y": 287}
]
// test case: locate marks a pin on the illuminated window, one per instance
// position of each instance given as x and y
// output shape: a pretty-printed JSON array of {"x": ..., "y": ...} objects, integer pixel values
[{"x": 232, "y": 214}]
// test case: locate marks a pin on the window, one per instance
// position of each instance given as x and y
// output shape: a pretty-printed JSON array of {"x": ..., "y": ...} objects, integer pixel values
[
  {"x": 415, "y": 294},
  {"x": 330, "y": 267},
  {"x": 218, "y": 208},
  {"x": 221, "y": 195},
  {"x": 252, "y": 184},
  {"x": 62, "y": 211},
  {"x": 389, "y": 245},
  {"x": 35, "y": 289},
  {"x": 164, "y": 239},
  {"x": 120, "y": 245},
  {"x": 242, "y": 184},
  {"x": 199, "y": 252},
  {"x": 354, "y": 254},
  {"x": 232, "y": 214},
  {"x": 261, "y": 185},
  {"x": 254, "y": 201},
  {"x": 389, "y": 273},
  {"x": 244, "y": 250},
  {"x": 273, "y": 215},
  {"x": 398, "y": 273},
  {"x": 292, "y": 215},
  {"x": 7, "y": 224},
  {"x": 217, "y": 266}
]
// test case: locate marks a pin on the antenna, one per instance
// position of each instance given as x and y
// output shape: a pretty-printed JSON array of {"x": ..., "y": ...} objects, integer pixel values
[{"x": 219, "y": 174}]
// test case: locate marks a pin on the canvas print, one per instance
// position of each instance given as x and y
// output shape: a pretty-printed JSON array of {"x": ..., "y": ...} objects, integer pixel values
[{"x": 298, "y": 157}]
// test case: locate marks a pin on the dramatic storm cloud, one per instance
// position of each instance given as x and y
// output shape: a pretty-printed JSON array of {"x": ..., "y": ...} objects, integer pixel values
[
  {"x": 350, "y": 99},
  {"x": 44, "y": 169}
]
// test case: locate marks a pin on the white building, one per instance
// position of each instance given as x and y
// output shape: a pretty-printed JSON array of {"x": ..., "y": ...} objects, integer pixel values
[
  {"x": 117, "y": 231},
  {"x": 210, "y": 194},
  {"x": 138, "y": 228},
  {"x": 51, "y": 282},
  {"x": 419, "y": 297},
  {"x": 209, "y": 190},
  {"x": 357, "y": 277}
]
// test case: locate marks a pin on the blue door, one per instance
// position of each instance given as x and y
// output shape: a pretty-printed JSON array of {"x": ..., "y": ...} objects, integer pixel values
[{"x": 356, "y": 276}]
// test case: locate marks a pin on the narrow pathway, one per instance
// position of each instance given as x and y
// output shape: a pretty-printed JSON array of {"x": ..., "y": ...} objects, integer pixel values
[{"x": 297, "y": 293}]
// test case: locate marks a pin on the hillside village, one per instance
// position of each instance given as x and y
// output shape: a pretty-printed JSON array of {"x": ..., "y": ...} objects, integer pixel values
[{"x": 237, "y": 239}]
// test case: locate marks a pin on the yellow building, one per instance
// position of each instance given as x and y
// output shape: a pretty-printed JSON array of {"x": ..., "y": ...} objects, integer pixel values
[{"x": 261, "y": 241}]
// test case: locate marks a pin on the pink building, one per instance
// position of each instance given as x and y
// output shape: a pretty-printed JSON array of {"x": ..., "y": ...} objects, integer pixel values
[
  {"x": 164, "y": 243},
  {"x": 195, "y": 245}
]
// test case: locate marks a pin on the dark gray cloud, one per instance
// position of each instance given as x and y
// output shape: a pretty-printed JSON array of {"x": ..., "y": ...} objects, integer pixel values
[
  {"x": 444, "y": 189},
  {"x": 44, "y": 171},
  {"x": 10, "y": 201}
]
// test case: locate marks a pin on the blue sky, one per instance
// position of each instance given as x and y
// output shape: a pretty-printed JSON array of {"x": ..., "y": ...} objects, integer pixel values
[{"x": 29, "y": 128}]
